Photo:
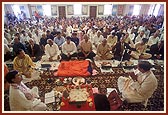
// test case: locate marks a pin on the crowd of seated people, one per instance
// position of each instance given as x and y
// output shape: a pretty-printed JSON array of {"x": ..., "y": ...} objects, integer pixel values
[
  {"x": 138, "y": 34},
  {"x": 107, "y": 38}
]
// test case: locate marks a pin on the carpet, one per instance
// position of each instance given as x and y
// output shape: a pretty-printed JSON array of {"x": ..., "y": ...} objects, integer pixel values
[{"x": 102, "y": 81}]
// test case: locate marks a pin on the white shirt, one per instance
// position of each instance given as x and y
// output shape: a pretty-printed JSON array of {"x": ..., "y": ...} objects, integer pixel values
[
  {"x": 139, "y": 38},
  {"x": 97, "y": 40},
  {"x": 18, "y": 100},
  {"x": 6, "y": 48},
  {"x": 24, "y": 38},
  {"x": 132, "y": 36},
  {"x": 153, "y": 40},
  {"x": 69, "y": 48},
  {"x": 37, "y": 38},
  {"x": 51, "y": 50}
]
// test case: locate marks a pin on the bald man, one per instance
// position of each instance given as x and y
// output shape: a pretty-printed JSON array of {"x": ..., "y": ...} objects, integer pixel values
[{"x": 103, "y": 51}]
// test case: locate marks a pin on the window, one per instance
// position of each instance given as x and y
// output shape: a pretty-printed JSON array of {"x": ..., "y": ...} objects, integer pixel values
[
  {"x": 157, "y": 7},
  {"x": 136, "y": 10},
  {"x": 16, "y": 9},
  {"x": 107, "y": 9},
  {"x": 77, "y": 9},
  {"x": 152, "y": 7},
  {"x": 47, "y": 10}
]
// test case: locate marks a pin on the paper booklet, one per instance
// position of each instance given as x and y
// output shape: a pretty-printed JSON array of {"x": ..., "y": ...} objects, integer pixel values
[{"x": 50, "y": 97}]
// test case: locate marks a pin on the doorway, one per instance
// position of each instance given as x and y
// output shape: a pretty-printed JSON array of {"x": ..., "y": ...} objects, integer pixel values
[
  {"x": 93, "y": 11},
  {"x": 62, "y": 13}
]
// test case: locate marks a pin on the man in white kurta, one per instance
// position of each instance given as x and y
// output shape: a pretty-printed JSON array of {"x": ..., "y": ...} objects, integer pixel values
[
  {"x": 21, "y": 98},
  {"x": 52, "y": 52},
  {"x": 153, "y": 39},
  {"x": 140, "y": 36},
  {"x": 69, "y": 49},
  {"x": 141, "y": 87},
  {"x": 97, "y": 39}
]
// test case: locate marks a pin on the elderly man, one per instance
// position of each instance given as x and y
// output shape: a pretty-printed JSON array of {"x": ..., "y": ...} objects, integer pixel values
[
  {"x": 103, "y": 51},
  {"x": 141, "y": 84},
  {"x": 21, "y": 98},
  {"x": 140, "y": 52},
  {"x": 86, "y": 48},
  {"x": 17, "y": 45},
  {"x": 122, "y": 50},
  {"x": 69, "y": 49},
  {"x": 97, "y": 38},
  {"x": 112, "y": 40},
  {"x": 34, "y": 50},
  {"x": 52, "y": 52},
  {"x": 23, "y": 63}
]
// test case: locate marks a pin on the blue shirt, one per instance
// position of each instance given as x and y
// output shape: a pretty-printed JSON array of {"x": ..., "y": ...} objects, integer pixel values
[{"x": 60, "y": 41}]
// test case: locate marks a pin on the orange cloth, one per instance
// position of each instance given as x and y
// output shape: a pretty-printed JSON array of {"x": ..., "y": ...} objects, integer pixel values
[{"x": 73, "y": 68}]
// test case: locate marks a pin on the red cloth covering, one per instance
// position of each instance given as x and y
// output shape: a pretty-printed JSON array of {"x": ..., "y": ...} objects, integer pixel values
[
  {"x": 84, "y": 106},
  {"x": 73, "y": 68}
]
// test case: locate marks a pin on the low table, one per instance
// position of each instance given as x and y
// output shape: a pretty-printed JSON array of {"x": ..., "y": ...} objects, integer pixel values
[{"x": 83, "y": 105}]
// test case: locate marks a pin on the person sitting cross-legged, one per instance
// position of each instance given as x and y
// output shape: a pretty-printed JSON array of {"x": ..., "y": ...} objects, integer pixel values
[
  {"x": 23, "y": 63},
  {"x": 103, "y": 51},
  {"x": 86, "y": 49},
  {"x": 140, "y": 85},
  {"x": 52, "y": 52},
  {"x": 34, "y": 50},
  {"x": 69, "y": 49}
]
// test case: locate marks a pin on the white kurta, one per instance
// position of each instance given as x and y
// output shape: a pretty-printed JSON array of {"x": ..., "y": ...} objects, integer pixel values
[
  {"x": 19, "y": 102},
  {"x": 140, "y": 90},
  {"x": 97, "y": 40},
  {"x": 51, "y": 51},
  {"x": 153, "y": 40},
  {"x": 69, "y": 48}
]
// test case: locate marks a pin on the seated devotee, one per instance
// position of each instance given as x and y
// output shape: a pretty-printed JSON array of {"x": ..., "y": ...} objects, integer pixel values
[
  {"x": 22, "y": 98},
  {"x": 49, "y": 35},
  {"x": 140, "y": 52},
  {"x": 75, "y": 39},
  {"x": 69, "y": 49},
  {"x": 86, "y": 49},
  {"x": 17, "y": 45},
  {"x": 91, "y": 33},
  {"x": 59, "y": 40},
  {"x": 128, "y": 39},
  {"x": 24, "y": 37},
  {"x": 36, "y": 36},
  {"x": 121, "y": 50},
  {"x": 7, "y": 53},
  {"x": 103, "y": 51},
  {"x": 97, "y": 38},
  {"x": 157, "y": 50},
  {"x": 52, "y": 52},
  {"x": 23, "y": 63},
  {"x": 140, "y": 36},
  {"x": 112, "y": 40},
  {"x": 43, "y": 42},
  {"x": 34, "y": 50},
  {"x": 140, "y": 85},
  {"x": 154, "y": 39}
]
